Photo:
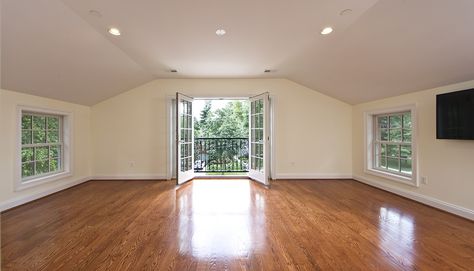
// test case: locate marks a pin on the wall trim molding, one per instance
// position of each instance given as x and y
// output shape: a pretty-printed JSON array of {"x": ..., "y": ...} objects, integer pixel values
[
  {"x": 430, "y": 201},
  {"x": 131, "y": 177},
  {"x": 317, "y": 176},
  {"x": 20, "y": 200}
]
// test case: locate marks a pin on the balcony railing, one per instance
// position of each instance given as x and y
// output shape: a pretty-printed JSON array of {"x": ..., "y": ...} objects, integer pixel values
[{"x": 221, "y": 154}]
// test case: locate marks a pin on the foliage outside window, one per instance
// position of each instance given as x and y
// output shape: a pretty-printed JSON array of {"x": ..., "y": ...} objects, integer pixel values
[
  {"x": 393, "y": 143},
  {"x": 221, "y": 136},
  {"x": 41, "y": 145}
]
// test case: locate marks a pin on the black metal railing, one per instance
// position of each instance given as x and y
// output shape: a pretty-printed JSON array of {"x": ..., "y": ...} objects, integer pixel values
[{"x": 221, "y": 154}]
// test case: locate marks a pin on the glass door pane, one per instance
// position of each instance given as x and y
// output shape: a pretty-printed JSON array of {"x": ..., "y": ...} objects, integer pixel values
[
  {"x": 185, "y": 138},
  {"x": 259, "y": 138}
]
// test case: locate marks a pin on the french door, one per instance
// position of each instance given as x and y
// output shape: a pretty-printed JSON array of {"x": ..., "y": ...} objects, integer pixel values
[
  {"x": 184, "y": 138},
  {"x": 259, "y": 124}
]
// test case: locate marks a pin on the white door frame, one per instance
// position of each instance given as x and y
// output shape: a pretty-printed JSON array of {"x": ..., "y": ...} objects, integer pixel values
[
  {"x": 262, "y": 141},
  {"x": 187, "y": 174},
  {"x": 171, "y": 131}
]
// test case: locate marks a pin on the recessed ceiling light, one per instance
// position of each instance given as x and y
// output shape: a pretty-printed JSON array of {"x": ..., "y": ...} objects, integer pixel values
[
  {"x": 114, "y": 31},
  {"x": 327, "y": 30},
  {"x": 220, "y": 32}
]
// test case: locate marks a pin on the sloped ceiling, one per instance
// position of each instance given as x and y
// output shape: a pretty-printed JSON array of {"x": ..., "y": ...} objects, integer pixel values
[{"x": 61, "y": 49}]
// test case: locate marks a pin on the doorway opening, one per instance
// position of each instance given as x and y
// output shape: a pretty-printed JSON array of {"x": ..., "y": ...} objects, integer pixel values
[{"x": 221, "y": 137}]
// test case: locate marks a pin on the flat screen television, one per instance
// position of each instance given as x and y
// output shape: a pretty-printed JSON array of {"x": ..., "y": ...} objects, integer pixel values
[{"x": 455, "y": 115}]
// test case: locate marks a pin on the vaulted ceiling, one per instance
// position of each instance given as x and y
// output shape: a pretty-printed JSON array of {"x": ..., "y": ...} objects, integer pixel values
[{"x": 61, "y": 49}]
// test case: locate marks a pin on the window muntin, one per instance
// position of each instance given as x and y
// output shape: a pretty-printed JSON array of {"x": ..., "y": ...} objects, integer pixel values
[
  {"x": 393, "y": 143},
  {"x": 42, "y": 145}
]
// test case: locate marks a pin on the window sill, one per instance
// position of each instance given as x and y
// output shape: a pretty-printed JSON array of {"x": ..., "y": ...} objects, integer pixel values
[
  {"x": 22, "y": 185},
  {"x": 393, "y": 177}
]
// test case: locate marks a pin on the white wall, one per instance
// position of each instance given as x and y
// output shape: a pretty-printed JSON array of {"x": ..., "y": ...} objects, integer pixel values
[
  {"x": 447, "y": 164},
  {"x": 316, "y": 137},
  {"x": 313, "y": 131},
  {"x": 9, "y": 101}
]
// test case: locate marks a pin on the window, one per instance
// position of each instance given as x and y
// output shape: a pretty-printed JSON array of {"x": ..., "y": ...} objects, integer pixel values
[
  {"x": 43, "y": 146},
  {"x": 393, "y": 143},
  {"x": 390, "y": 145}
]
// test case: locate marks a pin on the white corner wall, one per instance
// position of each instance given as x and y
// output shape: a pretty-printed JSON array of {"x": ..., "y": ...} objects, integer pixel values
[
  {"x": 9, "y": 101},
  {"x": 312, "y": 137},
  {"x": 448, "y": 165}
]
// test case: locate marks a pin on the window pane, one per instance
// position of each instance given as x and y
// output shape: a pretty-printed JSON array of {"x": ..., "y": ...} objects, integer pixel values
[
  {"x": 384, "y": 134},
  {"x": 39, "y": 136},
  {"x": 396, "y": 121},
  {"x": 54, "y": 151},
  {"x": 405, "y": 151},
  {"x": 26, "y": 137},
  {"x": 39, "y": 122},
  {"x": 26, "y": 121},
  {"x": 259, "y": 106},
  {"x": 54, "y": 165},
  {"x": 42, "y": 167},
  {"x": 53, "y": 136},
  {"x": 392, "y": 150},
  {"x": 396, "y": 135},
  {"x": 381, "y": 161},
  {"x": 27, "y": 154},
  {"x": 383, "y": 149},
  {"x": 190, "y": 108},
  {"x": 41, "y": 153},
  {"x": 407, "y": 120},
  {"x": 406, "y": 166},
  {"x": 260, "y": 121},
  {"x": 27, "y": 170},
  {"x": 383, "y": 122},
  {"x": 406, "y": 135},
  {"x": 393, "y": 164},
  {"x": 53, "y": 123}
]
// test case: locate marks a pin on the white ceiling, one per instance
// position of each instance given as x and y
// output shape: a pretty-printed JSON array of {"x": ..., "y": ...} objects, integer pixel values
[{"x": 383, "y": 48}]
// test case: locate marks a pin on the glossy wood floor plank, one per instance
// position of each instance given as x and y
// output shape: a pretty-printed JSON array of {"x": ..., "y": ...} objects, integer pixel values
[{"x": 233, "y": 225}]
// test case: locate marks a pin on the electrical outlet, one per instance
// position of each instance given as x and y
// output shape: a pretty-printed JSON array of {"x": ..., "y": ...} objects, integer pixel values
[
  {"x": 424, "y": 180},
  {"x": 131, "y": 164}
]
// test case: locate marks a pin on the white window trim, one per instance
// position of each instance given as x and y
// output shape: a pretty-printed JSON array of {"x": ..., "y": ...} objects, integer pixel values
[
  {"x": 368, "y": 146},
  {"x": 67, "y": 132}
]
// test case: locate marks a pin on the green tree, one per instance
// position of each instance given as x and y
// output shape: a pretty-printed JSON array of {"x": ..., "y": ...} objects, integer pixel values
[{"x": 231, "y": 121}]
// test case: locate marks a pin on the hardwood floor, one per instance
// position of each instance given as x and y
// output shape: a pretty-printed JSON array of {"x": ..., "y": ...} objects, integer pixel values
[{"x": 233, "y": 225}]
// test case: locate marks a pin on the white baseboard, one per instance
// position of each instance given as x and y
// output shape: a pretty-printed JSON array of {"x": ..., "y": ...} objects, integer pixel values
[
  {"x": 317, "y": 176},
  {"x": 27, "y": 198},
  {"x": 130, "y": 177},
  {"x": 433, "y": 202}
]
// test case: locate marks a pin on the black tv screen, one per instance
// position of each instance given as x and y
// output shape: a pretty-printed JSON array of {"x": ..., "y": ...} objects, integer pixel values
[{"x": 455, "y": 115}]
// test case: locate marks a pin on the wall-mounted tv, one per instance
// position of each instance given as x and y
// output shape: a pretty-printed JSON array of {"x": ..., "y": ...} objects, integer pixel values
[{"x": 455, "y": 115}]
